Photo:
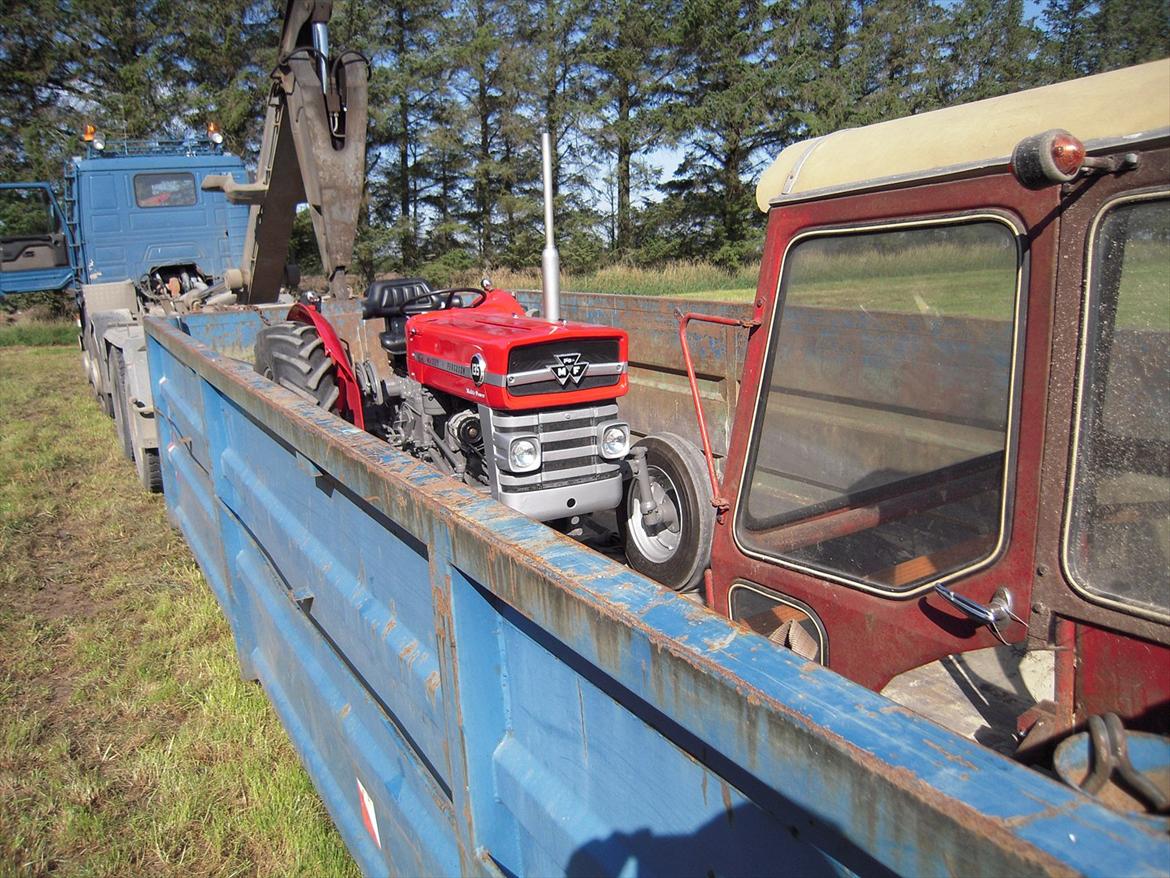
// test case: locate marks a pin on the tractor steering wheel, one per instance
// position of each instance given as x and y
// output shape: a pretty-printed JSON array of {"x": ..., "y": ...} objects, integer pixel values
[
  {"x": 449, "y": 296},
  {"x": 451, "y": 292}
]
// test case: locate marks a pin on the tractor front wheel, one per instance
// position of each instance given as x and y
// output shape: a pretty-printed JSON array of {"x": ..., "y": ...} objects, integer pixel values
[{"x": 676, "y": 549}]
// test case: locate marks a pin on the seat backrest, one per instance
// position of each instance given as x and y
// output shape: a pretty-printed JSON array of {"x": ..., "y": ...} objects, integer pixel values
[{"x": 389, "y": 298}]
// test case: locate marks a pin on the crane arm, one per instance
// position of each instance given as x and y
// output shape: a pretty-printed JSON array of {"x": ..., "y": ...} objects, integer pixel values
[{"x": 313, "y": 150}]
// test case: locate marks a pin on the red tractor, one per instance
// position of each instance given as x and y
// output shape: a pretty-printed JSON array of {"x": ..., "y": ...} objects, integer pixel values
[
  {"x": 521, "y": 406},
  {"x": 478, "y": 389}
]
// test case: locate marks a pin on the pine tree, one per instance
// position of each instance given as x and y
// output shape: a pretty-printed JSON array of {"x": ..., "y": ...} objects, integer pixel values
[
  {"x": 628, "y": 50},
  {"x": 992, "y": 50},
  {"x": 730, "y": 107}
]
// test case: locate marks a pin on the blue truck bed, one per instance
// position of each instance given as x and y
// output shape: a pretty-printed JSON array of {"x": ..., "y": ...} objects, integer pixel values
[{"x": 474, "y": 693}]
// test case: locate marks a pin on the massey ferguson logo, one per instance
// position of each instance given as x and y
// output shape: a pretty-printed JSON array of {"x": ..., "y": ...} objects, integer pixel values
[{"x": 569, "y": 367}]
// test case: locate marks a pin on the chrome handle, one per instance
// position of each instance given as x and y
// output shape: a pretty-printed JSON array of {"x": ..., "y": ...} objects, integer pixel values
[{"x": 991, "y": 614}]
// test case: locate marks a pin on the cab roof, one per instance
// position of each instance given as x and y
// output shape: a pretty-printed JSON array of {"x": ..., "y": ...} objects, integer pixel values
[{"x": 1132, "y": 104}]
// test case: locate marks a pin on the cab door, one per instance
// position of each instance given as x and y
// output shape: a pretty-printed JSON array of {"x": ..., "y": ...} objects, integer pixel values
[
  {"x": 1103, "y": 551},
  {"x": 891, "y": 424},
  {"x": 34, "y": 240}
]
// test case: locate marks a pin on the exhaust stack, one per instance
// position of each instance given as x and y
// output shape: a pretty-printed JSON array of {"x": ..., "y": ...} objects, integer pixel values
[{"x": 550, "y": 259}]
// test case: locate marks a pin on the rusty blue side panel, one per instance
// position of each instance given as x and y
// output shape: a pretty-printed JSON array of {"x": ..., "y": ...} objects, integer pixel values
[{"x": 514, "y": 704}]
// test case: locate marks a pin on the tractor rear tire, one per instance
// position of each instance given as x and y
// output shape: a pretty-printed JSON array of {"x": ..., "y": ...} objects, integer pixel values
[
  {"x": 678, "y": 553},
  {"x": 292, "y": 355},
  {"x": 121, "y": 403}
]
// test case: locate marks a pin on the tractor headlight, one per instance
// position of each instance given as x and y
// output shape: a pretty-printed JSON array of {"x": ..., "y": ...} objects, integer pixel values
[
  {"x": 524, "y": 454},
  {"x": 615, "y": 441}
]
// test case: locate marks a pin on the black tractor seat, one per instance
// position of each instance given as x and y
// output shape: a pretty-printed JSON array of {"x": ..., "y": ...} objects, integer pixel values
[{"x": 394, "y": 301}]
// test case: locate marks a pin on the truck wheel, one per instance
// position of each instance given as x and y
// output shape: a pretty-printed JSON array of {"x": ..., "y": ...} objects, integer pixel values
[
  {"x": 93, "y": 371},
  {"x": 149, "y": 469},
  {"x": 293, "y": 355},
  {"x": 121, "y": 412},
  {"x": 677, "y": 552}
]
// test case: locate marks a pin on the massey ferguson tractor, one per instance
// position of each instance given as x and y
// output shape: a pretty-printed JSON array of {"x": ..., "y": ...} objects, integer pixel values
[{"x": 524, "y": 407}]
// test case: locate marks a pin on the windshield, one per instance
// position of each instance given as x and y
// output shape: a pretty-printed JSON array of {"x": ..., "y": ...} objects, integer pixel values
[
  {"x": 1117, "y": 544},
  {"x": 880, "y": 440},
  {"x": 26, "y": 213}
]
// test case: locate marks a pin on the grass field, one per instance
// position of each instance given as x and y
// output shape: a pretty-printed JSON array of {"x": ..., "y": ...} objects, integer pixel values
[
  {"x": 128, "y": 744},
  {"x": 939, "y": 278},
  {"x": 37, "y": 334}
]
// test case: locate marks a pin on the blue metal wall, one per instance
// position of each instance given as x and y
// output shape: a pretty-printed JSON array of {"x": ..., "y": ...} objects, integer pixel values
[{"x": 515, "y": 704}]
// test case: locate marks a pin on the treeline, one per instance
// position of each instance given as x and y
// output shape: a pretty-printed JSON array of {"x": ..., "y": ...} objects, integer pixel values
[{"x": 461, "y": 90}]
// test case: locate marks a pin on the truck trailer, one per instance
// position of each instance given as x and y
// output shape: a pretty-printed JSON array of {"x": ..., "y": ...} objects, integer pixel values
[{"x": 935, "y": 442}]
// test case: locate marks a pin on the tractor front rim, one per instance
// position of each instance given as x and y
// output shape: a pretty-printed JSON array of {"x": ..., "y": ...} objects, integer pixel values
[{"x": 657, "y": 543}]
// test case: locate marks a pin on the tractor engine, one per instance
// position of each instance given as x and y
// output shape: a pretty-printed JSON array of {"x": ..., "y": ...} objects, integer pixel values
[{"x": 521, "y": 406}]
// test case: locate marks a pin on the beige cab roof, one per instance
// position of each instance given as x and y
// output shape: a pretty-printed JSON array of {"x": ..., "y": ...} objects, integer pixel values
[{"x": 1130, "y": 103}]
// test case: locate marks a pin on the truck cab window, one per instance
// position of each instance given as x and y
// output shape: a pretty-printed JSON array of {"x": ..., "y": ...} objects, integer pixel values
[
  {"x": 164, "y": 190},
  {"x": 27, "y": 213},
  {"x": 881, "y": 440},
  {"x": 1117, "y": 539}
]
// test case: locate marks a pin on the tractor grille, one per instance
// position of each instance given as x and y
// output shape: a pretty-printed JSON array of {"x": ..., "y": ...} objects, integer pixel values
[
  {"x": 568, "y": 440},
  {"x": 528, "y": 366}
]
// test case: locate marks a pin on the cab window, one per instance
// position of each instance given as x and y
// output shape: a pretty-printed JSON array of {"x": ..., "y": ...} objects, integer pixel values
[
  {"x": 881, "y": 442},
  {"x": 27, "y": 212},
  {"x": 164, "y": 190},
  {"x": 1117, "y": 540}
]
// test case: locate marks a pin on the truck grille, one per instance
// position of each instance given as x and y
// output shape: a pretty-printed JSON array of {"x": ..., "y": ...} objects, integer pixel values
[
  {"x": 568, "y": 440},
  {"x": 530, "y": 367}
]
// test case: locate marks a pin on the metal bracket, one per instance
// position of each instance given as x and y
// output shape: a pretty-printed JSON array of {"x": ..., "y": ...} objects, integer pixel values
[
  {"x": 717, "y": 499},
  {"x": 1110, "y": 750}
]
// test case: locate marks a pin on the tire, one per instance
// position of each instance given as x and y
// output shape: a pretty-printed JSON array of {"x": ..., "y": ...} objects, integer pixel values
[
  {"x": 677, "y": 554},
  {"x": 93, "y": 373},
  {"x": 121, "y": 410},
  {"x": 293, "y": 356},
  {"x": 149, "y": 470}
]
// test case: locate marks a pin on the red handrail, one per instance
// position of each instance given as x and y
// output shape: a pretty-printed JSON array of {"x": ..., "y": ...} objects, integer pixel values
[{"x": 717, "y": 499}]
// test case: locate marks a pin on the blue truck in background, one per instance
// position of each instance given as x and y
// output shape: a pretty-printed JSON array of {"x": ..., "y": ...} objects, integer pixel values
[{"x": 133, "y": 230}]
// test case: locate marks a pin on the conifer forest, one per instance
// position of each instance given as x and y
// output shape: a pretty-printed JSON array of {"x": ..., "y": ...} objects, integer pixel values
[{"x": 663, "y": 112}]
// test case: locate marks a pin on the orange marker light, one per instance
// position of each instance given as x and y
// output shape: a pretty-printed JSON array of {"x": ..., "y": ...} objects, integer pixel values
[
  {"x": 88, "y": 134},
  {"x": 1068, "y": 153}
]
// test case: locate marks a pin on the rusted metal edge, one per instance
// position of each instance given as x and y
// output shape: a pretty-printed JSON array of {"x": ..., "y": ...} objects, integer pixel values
[{"x": 739, "y": 677}]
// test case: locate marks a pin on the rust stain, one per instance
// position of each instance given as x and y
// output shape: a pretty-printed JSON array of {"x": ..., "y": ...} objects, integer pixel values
[
  {"x": 726, "y": 790},
  {"x": 948, "y": 755},
  {"x": 432, "y": 685},
  {"x": 581, "y": 717},
  {"x": 390, "y": 626},
  {"x": 344, "y": 712}
]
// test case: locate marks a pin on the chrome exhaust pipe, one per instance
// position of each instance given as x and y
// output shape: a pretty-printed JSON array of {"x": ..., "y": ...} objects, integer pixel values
[{"x": 550, "y": 259}]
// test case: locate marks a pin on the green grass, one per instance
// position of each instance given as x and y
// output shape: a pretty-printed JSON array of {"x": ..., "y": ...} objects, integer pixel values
[
  {"x": 691, "y": 279},
  {"x": 38, "y": 334},
  {"x": 946, "y": 279},
  {"x": 128, "y": 743}
]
